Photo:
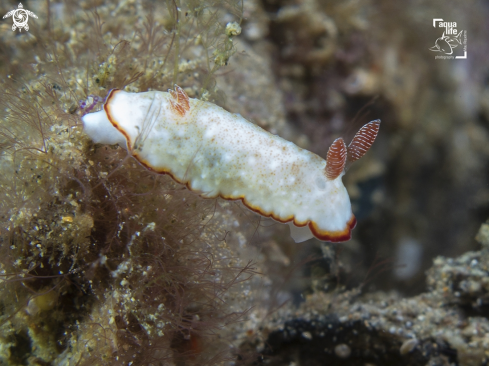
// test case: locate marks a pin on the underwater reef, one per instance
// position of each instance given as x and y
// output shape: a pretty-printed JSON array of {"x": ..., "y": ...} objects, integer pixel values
[{"x": 105, "y": 262}]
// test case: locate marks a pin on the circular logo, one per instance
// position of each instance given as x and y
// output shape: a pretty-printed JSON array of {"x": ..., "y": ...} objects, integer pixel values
[{"x": 20, "y": 18}]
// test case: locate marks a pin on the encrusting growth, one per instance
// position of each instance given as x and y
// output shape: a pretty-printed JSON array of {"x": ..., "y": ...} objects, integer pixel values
[{"x": 220, "y": 154}]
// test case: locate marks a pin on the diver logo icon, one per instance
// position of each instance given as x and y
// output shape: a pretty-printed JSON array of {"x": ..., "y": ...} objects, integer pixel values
[
  {"x": 20, "y": 17},
  {"x": 449, "y": 40}
]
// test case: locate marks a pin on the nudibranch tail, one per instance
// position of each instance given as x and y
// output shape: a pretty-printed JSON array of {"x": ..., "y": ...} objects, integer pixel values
[
  {"x": 336, "y": 159},
  {"x": 363, "y": 140},
  {"x": 107, "y": 109}
]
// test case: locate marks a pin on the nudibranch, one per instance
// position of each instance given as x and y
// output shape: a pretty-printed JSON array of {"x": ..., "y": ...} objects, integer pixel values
[{"x": 220, "y": 154}]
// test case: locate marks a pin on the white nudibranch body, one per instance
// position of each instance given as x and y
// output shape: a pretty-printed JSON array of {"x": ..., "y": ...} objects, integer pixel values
[{"x": 221, "y": 154}]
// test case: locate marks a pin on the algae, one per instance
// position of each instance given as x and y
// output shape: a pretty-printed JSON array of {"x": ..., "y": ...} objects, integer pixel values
[{"x": 104, "y": 262}]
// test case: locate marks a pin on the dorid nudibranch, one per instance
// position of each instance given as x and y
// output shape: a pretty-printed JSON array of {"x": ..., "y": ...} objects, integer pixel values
[{"x": 217, "y": 153}]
